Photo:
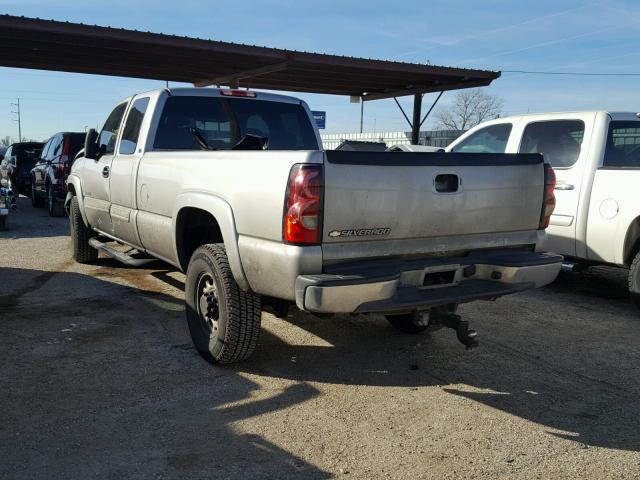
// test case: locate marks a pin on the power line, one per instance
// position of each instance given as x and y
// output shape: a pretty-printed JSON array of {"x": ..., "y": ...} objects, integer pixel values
[{"x": 579, "y": 74}]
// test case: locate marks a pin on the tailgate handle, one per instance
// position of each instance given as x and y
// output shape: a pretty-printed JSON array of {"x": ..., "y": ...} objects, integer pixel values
[{"x": 446, "y": 183}]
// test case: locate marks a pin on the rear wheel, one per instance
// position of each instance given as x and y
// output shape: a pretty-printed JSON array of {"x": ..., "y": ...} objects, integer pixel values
[
  {"x": 36, "y": 201},
  {"x": 55, "y": 207},
  {"x": 634, "y": 280},
  {"x": 223, "y": 319},
  {"x": 80, "y": 234}
]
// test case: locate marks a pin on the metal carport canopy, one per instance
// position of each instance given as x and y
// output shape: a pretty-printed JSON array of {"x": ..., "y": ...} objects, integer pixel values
[{"x": 72, "y": 47}]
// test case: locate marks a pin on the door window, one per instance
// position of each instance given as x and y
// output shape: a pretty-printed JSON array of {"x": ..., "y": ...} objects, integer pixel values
[
  {"x": 56, "y": 147},
  {"x": 109, "y": 133},
  {"x": 623, "y": 145},
  {"x": 45, "y": 150},
  {"x": 491, "y": 139},
  {"x": 131, "y": 129},
  {"x": 558, "y": 141}
]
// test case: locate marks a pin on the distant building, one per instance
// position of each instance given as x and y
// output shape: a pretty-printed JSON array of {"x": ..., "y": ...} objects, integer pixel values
[{"x": 434, "y": 138}]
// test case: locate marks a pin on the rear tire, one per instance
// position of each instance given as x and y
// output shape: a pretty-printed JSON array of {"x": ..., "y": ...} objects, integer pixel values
[
  {"x": 56, "y": 208},
  {"x": 80, "y": 234},
  {"x": 634, "y": 280},
  {"x": 223, "y": 319},
  {"x": 36, "y": 201}
]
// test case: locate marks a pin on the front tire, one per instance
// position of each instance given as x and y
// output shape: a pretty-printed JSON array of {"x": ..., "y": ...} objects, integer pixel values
[
  {"x": 56, "y": 209},
  {"x": 634, "y": 280},
  {"x": 80, "y": 234},
  {"x": 36, "y": 201},
  {"x": 223, "y": 319}
]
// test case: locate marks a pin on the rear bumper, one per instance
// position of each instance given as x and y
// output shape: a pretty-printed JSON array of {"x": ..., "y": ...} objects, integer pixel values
[{"x": 399, "y": 287}]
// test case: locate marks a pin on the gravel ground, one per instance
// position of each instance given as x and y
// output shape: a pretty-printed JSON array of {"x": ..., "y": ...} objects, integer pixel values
[{"x": 99, "y": 380}]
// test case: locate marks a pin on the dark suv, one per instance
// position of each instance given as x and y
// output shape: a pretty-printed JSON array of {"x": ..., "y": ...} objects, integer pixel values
[
  {"x": 48, "y": 177},
  {"x": 21, "y": 158}
]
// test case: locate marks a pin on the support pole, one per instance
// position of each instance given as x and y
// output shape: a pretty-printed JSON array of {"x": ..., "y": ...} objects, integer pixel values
[
  {"x": 361, "y": 113},
  {"x": 417, "y": 113}
]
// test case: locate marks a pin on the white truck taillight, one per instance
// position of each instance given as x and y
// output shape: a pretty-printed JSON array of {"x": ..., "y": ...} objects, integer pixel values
[
  {"x": 303, "y": 205},
  {"x": 549, "y": 202}
]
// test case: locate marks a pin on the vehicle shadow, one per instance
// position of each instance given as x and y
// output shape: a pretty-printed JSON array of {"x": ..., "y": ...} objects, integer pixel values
[
  {"x": 29, "y": 222},
  {"x": 100, "y": 380},
  {"x": 595, "y": 408},
  {"x": 521, "y": 379}
]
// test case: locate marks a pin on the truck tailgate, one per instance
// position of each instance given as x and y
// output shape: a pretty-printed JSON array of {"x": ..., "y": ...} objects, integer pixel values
[{"x": 401, "y": 195}]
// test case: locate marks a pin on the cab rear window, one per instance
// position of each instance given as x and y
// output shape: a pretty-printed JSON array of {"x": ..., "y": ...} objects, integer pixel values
[
  {"x": 223, "y": 122},
  {"x": 623, "y": 145}
]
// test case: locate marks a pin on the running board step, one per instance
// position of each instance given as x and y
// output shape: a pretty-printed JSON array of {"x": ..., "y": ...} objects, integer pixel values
[{"x": 120, "y": 256}]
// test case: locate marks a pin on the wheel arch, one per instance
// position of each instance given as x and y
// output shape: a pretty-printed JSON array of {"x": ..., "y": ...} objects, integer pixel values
[
  {"x": 74, "y": 187},
  {"x": 213, "y": 221}
]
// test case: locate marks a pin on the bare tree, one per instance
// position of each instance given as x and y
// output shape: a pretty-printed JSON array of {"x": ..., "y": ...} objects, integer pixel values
[
  {"x": 6, "y": 141},
  {"x": 469, "y": 108}
]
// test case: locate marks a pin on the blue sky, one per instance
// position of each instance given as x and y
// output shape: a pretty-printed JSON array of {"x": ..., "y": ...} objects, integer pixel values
[{"x": 575, "y": 35}]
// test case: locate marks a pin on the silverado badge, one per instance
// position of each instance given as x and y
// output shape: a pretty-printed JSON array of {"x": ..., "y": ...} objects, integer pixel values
[{"x": 360, "y": 232}]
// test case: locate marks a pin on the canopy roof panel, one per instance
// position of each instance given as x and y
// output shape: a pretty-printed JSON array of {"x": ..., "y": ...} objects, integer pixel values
[{"x": 73, "y": 47}]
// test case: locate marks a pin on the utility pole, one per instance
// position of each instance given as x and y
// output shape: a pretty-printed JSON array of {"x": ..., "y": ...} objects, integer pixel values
[{"x": 17, "y": 119}]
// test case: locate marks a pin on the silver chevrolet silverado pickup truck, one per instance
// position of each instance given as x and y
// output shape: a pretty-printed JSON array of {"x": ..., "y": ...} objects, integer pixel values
[{"x": 233, "y": 187}]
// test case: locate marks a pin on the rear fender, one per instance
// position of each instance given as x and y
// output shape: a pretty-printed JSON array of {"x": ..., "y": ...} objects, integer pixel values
[{"x": 223, "y": 214}]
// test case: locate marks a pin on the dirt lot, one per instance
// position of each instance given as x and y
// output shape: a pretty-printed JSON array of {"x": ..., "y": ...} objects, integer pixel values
[{"x": 99, "y": 380}]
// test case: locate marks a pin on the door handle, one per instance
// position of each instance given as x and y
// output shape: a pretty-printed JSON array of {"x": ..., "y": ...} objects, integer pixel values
[
  {"x": 105, "y": 172},
  {"x": 564, "y": 186}
]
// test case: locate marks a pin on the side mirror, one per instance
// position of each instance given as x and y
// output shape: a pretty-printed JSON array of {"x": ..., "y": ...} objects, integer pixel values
[{"x": 91, "y": 144}]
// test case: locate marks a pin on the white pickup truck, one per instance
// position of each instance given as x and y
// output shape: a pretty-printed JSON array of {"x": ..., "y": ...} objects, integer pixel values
[
  {"x": 596, "y": 158},
  {"x": 233, "y": 187}
]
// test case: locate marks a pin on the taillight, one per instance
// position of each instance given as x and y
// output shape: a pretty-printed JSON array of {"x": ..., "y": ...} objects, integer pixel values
[
  {"x": 65, "y": 159},
  {"x": 549, "y": 202},
  {"x": 303, "y": 205}
]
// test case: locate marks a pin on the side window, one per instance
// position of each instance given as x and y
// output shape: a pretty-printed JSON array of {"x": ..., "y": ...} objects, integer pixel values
[
  {"x": 491, "y": 139},
  {"x": 131, "y": 129},
  {"x": 47, "y": 147},
  {"x": 56, "y": 147},
  {"x": 109, "y": 133},
  {"x": 7, "y": 155},
  {"x": 558, "y": 141},
  {"x": 623, "y": 145}
]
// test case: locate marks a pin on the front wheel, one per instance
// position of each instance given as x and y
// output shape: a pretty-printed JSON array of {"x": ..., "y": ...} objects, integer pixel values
[
  {"x": 36, "y": 201},
  {"x": 223, "y": 319},
  {"x": 80, "y": 235},
  {"x": 55, "y": 207},
  {"x": 634, "y": 280}
]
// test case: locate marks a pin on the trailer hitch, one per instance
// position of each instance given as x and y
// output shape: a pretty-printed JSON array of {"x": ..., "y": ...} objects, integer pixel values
[{"x": 466, "y": 336}]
